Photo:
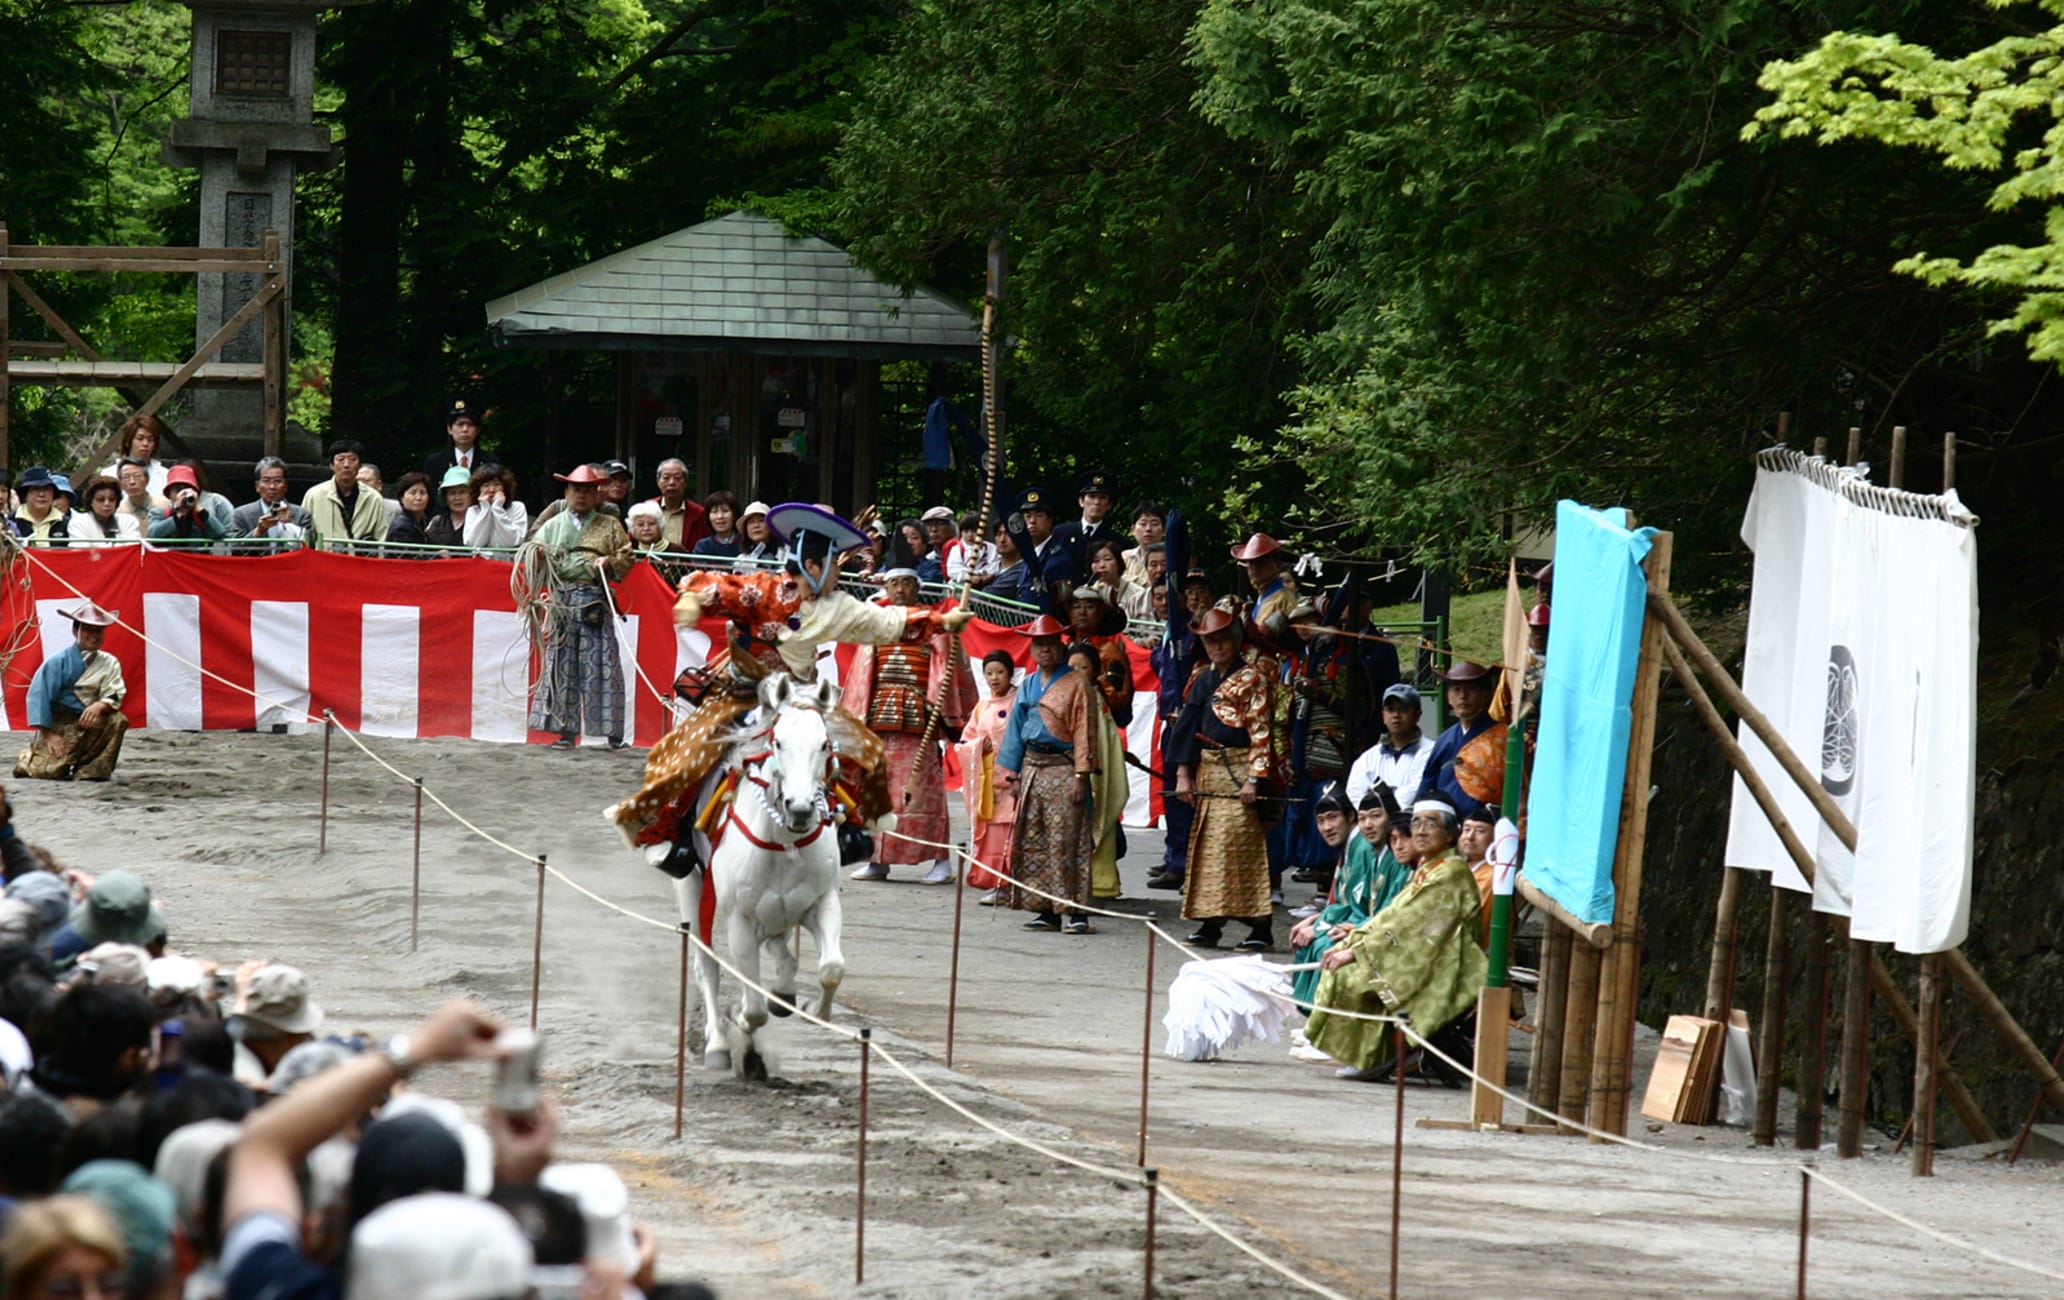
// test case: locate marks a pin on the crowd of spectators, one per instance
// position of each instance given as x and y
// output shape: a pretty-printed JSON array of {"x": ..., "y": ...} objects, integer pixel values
[{"x": 170, "y": 1130}]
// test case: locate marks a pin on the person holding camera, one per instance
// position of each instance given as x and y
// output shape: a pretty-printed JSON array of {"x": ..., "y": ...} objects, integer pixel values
[
  {"x": 186, "y": 517},
  {"x": 271, "y": 518}
]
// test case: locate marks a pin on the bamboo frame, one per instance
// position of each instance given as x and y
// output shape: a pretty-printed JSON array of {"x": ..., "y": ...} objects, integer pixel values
[{"x": 1620, "y": 973}]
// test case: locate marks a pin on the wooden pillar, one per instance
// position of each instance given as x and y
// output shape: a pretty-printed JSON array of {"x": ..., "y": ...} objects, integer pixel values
[
  {"x": 1770, "y": 1052},
  {"x": 1579, "y": 1020},
  {"x": 1812, "y": 1087},
  {"x": 272, "y": 345},
  {"x": 1620, "y": 980},
  {"x": 1544, "y": 1068},
  {"x": 1855, "y": 1079}
]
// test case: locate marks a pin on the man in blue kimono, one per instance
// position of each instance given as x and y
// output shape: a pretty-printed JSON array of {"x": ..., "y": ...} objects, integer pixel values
[
  {"x": 1467, "y": 766},
  {"x": 75, "y": 706}
]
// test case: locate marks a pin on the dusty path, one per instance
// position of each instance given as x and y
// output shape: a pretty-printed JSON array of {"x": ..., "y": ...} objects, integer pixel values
[{"x": 758, "y": 1195}]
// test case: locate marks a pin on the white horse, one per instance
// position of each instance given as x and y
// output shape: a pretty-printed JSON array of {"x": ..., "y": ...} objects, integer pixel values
[{"x": 775, "y": 866}]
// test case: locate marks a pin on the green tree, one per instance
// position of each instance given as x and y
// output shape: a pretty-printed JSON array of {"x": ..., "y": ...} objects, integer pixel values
[
  {"x": 1155, "y": 261},
  {"x": 1998, "y": 109},
  {"x": 1548, "y": 264}
]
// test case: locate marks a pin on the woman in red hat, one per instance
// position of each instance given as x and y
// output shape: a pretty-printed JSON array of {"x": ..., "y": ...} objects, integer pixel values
[{"x": 1219, "y": 741}]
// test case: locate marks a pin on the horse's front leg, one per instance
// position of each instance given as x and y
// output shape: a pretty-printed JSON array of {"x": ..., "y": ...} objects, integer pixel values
[
  {"x": 716, "y": 1055},
  {"x": 781, "y": 977},
  {"x": 744, "y": 939},
  {"x": 823, "y": 923}
]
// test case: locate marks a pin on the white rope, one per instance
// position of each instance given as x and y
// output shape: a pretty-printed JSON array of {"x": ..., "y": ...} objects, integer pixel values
[
  {"x": 1922, "y": 1228},
  {"x": 1300, "y": 1279}
]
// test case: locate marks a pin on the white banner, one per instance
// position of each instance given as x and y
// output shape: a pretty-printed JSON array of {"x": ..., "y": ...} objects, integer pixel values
[{"x": 1862, "y": 650}]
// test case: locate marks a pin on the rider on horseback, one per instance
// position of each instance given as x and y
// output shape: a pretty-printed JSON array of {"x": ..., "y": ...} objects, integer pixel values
[{"x": 777, "y": 622}]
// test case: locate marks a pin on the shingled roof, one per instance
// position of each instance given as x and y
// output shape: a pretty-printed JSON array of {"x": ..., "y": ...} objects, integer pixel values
[{"x": 739, "y": 283}]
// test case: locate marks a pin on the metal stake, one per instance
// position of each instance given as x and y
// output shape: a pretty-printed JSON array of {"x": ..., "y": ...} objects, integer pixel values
[
  {"x": 1146, "y": 1047},
  {"x": 322, "y": 836},
  {"x": 860, "y": 1195},
  {"x": 415, "y": 906},
  {"x": 953, "y": 969},
  {"x": 681, "y": 1041},
  {"x": 1153, "y": 1198},
  {"x": 1805, "y": 1197},
  {"x": 1397, "y": 1149},
  {"x": 537, "y": 944}
]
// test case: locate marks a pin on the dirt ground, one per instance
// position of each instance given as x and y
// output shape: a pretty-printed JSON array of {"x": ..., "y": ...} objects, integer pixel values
[{"x": 758, "y": 1195}]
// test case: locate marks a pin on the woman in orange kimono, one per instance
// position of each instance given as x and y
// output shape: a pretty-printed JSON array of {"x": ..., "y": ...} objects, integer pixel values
[{"x": 992, "y": 806}]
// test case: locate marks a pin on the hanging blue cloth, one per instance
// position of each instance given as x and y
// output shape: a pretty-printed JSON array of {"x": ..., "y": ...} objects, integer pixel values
[{"x": 942, "y": 420}]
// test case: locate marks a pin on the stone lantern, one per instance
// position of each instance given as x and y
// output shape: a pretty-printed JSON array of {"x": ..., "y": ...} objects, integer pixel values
[{"x": 250, "y": 131}]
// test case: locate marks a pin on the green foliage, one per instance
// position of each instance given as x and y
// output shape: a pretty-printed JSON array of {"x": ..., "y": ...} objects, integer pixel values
[
  {"x": 1154, "y": 262},
  {"x": 1999, "y": 107},
  {"x": 1547, "y": 265}
]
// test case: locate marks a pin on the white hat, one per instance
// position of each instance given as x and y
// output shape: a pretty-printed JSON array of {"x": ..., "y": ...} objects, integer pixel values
[
  {"x": 887, "y": 574},
  {"x": 438, "y": 1247},
  {"x": 605, "y": 1206},
  {"x": 183, "y": 1161},
  {"x": 937, "y": 514},
  {"x": 173, "y": 973},
  {"x": 756, "y": 508},
  {"x": 16, "y": 1056}
]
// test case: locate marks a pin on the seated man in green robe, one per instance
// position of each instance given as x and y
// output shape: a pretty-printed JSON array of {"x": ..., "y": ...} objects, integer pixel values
[
  {"x": 1369, "y": 876},
  {"x": 1416, "y": 958}
]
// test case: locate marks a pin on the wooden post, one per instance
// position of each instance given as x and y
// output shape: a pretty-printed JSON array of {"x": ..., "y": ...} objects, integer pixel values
[
  {"x": 1153, "y": 1180},
  {"x": 860, "y": 1169},
  {"x": 1579, "y": 1021},
  {"x": 1855, "y": 1077},
  {"x": 415, "y": 906},
  {"x": 1820, "y": 446},
  {"x": 1619, "y": 981},
  {"x": 1777, "y": 953},
  {"x": 1928, "y": 1000},
  {"x": 273, "y": 344},
  {"x": 6, "y": 357},
  {"x": 1544, "y": 1069},
  {"x": 1855, "y": 446},
  {"x": 1146, "y": 1047},
  {"x": 1726, "y": 934},
  {"x": 1813, "y": 1041},
  {"x": 1948, "y": 461},
  {"x": 537, "y": 945}
]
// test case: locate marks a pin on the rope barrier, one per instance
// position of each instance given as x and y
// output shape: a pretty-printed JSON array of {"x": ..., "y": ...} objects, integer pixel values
[{"x": 1128, "y": 1176}]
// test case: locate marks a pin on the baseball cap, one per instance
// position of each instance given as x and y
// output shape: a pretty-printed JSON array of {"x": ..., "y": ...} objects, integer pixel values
[
  {"x": 616, "y": 469},
  {"x": 122, "y": 965},
  {"x": 277, "y": 1001},
  {"x": 1405, "y": 692},
  {"x": 118, "y": 909},
  {"x": 438, "y": 1246}
]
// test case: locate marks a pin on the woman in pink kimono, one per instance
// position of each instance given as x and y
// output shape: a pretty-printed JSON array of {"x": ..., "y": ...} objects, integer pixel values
[{"x": 991, "y": 805}]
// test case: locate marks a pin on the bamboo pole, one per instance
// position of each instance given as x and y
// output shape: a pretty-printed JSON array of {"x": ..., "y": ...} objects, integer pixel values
[
  {"x": 1855, "y": 1077},
  {"x": 1770, "y": 1053},
  {"x": 1580, "y": 1019},
  {"x": 1620, "y": 978},
  {"x": 1928, "y": 998},
  {"x": 1544, "y": 1068},
  {"x": 1726, "y": 933},
  {"x": 1813, "y": 1044}
]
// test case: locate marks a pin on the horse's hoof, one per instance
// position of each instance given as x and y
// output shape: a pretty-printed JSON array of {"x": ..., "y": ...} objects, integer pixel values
[
  {"x": 717, "y": 1059},
  {"x": 755, "y": 1068},
  {"x": 781, "y": 1007}
]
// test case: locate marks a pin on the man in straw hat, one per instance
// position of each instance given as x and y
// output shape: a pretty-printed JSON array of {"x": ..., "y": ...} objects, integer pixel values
[
  {"x": 1219, "y": 742},
  {"x": 75, "y": 706},
  {"x": 778, "y": 622},
  {"x": 580, "y": 688},
  {"x": 1049, "y": 756}
]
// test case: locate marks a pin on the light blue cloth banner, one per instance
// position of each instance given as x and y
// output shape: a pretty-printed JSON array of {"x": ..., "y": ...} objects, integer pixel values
[{"x": 1587, "y": 708}]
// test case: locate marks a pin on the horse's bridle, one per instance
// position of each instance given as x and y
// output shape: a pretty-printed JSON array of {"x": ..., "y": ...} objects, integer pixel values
[{"x": 746, "y": 765}]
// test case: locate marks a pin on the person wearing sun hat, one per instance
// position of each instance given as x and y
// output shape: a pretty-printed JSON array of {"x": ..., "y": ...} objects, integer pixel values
[
  {"x": 75, "y": 706},
  {"x": 777, "y": 622},
  {"x": 38, "y": 519},
  {"x": 1466, "y": 765},
  {"x": 1049, "y": 755},
  {"x": 580, "y": 687}
]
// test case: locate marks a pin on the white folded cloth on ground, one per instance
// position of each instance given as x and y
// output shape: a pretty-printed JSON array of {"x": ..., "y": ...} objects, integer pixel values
[{"x": 1216, "y": 1006}]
